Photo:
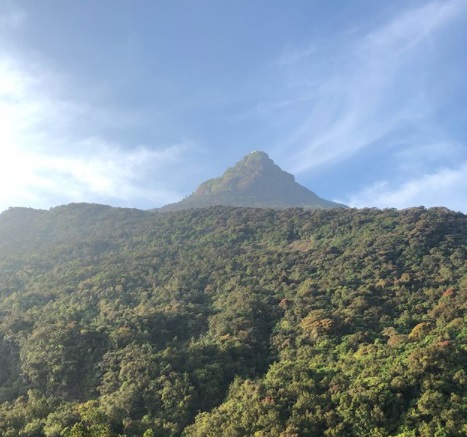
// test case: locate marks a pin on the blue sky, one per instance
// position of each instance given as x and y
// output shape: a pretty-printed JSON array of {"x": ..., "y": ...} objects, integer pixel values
[{"x": 136, "y": 103}]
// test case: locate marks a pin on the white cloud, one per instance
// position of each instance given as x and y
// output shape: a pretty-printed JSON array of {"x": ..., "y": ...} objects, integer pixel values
[
  {"x": 97, "y": 172},
  {"x": 45, "y": 159},
  {"x": 363, "y": 89},
  {"x": 445, "y": 187}
]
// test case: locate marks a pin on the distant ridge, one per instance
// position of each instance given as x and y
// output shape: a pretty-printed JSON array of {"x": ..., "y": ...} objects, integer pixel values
[{"x": 255, "y": 181}]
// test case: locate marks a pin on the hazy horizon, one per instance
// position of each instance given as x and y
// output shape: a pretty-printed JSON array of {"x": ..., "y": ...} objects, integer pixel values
[{"x": 105, "y": 102}]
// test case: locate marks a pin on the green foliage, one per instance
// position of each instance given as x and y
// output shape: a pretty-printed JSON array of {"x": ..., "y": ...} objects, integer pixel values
[
  {"x": 233, "y": 321},
  {"x": 254, "y": 181}
]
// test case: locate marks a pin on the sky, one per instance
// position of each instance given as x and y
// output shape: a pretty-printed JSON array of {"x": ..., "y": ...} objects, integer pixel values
[{"x": 135, "y": 103}]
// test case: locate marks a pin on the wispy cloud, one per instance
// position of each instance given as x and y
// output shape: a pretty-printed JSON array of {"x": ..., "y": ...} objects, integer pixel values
[
  {"x": 52, "y": 152},
  {"x": 447, "y": 186},
  {"x": 363, "y": 88}
]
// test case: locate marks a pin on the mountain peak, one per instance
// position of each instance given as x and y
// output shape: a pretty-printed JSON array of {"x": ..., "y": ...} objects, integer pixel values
[
  {"x": 257, "y": 156},
  {"x": 254, "y": 181},
  {"x": 258, "y": 153},
  {"x": 254, "y": 172}
]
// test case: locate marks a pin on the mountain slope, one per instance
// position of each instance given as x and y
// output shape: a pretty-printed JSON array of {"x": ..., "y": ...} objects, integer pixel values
[
  {"x": 232, "y": 321},
  {"x": 255, "y": 181}
]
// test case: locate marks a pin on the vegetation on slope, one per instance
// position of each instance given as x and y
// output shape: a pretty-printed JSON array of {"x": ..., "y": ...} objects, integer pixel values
[
  {"x": 233, "y": 321},
  {"x": 254, "y": 181}
]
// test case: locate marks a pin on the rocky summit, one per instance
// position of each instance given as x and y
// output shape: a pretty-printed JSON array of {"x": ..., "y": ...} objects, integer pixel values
[{"x": 255, "y": 181}]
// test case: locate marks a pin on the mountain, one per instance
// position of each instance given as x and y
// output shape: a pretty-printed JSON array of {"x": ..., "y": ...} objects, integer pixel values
[
  {"x": 229, "y": 321},
  {"x": 255, "y": 181}
]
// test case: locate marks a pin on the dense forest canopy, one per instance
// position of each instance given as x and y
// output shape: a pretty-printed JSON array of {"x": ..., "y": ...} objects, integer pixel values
[{"x": 233, "y": 322}]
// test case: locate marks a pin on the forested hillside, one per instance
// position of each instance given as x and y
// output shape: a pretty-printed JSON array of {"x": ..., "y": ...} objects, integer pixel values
[
  {"x": 254, "y": 182},
  {"x": 233, "y": 322}
]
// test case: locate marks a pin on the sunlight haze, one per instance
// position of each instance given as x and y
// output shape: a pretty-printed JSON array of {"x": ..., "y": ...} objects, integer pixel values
[{"x": 132, "y": 106}]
